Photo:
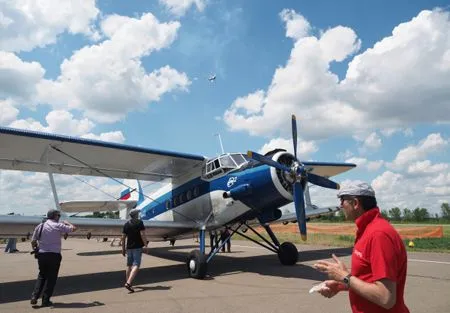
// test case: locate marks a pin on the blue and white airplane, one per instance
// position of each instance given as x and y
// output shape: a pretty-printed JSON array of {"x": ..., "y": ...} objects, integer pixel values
[{"x": 234, "y": 190}]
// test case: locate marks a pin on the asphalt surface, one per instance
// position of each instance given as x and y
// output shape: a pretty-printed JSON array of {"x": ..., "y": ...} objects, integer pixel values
[{"x": 249, "y": 279}]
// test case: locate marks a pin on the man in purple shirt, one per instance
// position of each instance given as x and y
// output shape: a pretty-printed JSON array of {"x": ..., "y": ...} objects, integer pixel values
[{"x": 47, "y": 238}]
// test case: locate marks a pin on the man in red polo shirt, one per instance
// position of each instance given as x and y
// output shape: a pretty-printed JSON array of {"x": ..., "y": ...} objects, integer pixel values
[{"x": 376, "y": 282}]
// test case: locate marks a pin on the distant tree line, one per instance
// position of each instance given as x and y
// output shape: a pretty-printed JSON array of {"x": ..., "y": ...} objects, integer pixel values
[
  {"x": 405, "y": 215},
  {"x": 114, "y": 214}
]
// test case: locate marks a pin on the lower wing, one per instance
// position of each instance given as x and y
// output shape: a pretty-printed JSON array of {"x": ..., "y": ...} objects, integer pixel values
[
  {"x": 23, "y": 227},
  {"x": 96, "y": 206}
]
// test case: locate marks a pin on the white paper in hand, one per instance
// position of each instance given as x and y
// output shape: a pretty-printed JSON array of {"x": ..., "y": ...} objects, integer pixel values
[{"x": 317, "y": 287}]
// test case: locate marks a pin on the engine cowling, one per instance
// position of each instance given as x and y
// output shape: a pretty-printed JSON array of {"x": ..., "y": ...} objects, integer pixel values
[{"x": 282, "y": 180}]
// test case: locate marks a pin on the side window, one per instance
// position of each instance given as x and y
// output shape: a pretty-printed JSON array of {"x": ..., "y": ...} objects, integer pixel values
[
  {"x": 182, "y": 198},
  {"x": 196, "y": 191},
  {"x": 188, "y": 195}
]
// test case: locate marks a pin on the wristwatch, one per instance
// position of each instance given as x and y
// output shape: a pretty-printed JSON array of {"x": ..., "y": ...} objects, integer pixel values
[{"x": 346, "y": 280}]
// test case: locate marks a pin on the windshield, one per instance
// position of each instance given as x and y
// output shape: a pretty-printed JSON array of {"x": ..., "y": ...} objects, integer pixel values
[{"x": 223, "y": 164}]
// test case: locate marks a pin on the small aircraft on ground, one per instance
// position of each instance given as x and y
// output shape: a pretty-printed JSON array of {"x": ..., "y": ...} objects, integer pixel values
[
  {"x": 235, "y": 191},
  {"x": 212, "y": 78}
]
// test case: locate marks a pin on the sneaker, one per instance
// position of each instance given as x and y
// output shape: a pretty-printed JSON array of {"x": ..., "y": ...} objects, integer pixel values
[
  {"x": 33, "y": 301},
  {"x": 46, "y": 303}
]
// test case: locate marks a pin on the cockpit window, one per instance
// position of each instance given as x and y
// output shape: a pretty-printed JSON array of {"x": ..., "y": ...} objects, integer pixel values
[
  {"x": 227, "y": 161},
  {"x": 238, "y": 158},
  {"x": 222, "y": 165}
]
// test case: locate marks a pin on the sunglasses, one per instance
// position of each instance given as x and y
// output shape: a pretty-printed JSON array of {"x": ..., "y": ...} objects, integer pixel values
[{"x": 346, "y": 198}]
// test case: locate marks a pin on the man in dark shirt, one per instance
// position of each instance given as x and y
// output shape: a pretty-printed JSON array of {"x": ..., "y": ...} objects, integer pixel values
[{"x": 134, "y": 233}]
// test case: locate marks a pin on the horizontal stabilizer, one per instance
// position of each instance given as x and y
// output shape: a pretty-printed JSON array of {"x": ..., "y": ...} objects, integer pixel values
[
  {"x": 311, "y": 212},
  {"x": 96, "y": 206}
]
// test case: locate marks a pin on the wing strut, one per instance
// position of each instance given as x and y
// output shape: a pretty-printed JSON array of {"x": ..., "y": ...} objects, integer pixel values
[{"x": 52, "y": 181}]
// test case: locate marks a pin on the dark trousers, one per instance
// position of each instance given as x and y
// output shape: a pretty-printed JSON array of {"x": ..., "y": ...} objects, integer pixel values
[
  {"x": 48, "y": 273},
  {"x": 228, "y": 243}
]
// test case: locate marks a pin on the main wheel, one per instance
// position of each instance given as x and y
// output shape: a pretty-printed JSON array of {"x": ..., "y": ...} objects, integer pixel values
[
  {"x": 196, "y": 264},
  {"x": 288, "y": 253}
]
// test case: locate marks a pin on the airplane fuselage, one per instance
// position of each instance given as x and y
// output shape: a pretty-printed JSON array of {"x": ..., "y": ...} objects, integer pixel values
[{"x": 243, "y": 194}]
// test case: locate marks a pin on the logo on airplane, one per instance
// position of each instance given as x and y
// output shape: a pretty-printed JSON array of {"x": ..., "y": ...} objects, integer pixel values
[{"x": 231, "y": 181}]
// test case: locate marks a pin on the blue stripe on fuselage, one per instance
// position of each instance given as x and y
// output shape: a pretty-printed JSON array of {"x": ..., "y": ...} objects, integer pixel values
[{"x": 264, "y": 194}]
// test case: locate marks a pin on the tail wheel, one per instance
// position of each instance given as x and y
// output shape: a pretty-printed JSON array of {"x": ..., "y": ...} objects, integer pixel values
[
  {"x": 288, "y": 253},
  {"x": 196, "y": 264}
]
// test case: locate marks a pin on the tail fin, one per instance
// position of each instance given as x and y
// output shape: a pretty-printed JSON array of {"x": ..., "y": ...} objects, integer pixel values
[{"x": 132, "y": 192}]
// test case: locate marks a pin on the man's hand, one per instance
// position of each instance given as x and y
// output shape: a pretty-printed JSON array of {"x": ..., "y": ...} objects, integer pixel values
[
  {"x": 336, "y": 270},
  {"x": 331, "y": 288}
]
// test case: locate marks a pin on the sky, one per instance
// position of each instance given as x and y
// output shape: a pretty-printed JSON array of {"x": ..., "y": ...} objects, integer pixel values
[{"x": 369, "y": 83}]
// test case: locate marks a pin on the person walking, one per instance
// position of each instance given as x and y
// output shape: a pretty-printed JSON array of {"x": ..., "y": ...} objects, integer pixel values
[
  {"x": 46, "y": 242},
  {"x": 225, "y": 238},
  {"x": 376, "y": 280},
  {"x": 133, "y": 235},
  {"x": 11, "y": 245}
]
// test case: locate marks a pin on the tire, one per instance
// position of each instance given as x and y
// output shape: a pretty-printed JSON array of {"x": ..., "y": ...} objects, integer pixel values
[
  {"x": 196, "y": 264},
  {"x": 288, "y": 253}
]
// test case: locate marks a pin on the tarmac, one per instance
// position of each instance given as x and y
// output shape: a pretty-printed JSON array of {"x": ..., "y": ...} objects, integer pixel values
[{"x": 249, "y": 279}]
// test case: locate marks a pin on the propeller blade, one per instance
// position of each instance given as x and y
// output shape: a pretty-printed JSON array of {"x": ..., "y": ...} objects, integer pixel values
[
  {"x": 260, "y": 158},
  {"x": 294, "y": 134},
  {"x": 322, "y": 181},
  {"x": 299, "y": 202}
]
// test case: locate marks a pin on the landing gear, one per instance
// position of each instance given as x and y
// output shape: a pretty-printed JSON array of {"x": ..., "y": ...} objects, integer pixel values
[
  {"x": 172, "y": 242},
  {"x": 288, "y": 253},
  {"x": 196, "y": 264},
  {"x": 197, "y": 260}
]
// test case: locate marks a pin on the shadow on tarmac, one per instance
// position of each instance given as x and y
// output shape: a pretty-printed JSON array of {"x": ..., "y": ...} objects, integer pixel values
[{"x": 222, "y": 264}]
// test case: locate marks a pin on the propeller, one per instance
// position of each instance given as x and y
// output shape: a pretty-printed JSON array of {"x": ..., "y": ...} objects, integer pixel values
[{"x": 299, "y": 178}]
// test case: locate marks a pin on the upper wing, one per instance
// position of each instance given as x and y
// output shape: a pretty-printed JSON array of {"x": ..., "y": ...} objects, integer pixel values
[
  {"x": 328, "y": 169},
  {"x": 40, "y": 152},
  {"x": 96, "y": 206}
]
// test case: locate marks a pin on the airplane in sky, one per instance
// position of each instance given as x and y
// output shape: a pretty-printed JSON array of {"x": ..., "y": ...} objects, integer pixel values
[
  {"x": 212, "y": 78},
  {"x": 236, "y": 191}
]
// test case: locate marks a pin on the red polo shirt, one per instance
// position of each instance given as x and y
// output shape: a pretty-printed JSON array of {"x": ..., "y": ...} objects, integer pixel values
[{"x": 379, "y": 253}]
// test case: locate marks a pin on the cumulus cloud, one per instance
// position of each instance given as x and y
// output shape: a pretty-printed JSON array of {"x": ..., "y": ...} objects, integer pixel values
[
  {"x": 114, "y": 136},
  {"x": 402, "y": 78},
  {"x": 8, "y": 112},
  {"x": 64, "y": 123},
  {"x": 107, "y": 80},
  {"x": 366, "y": 164},
  {"x": 304, "y": 85},
  {"x": 304, "y": 148},
  {"x": 180, "y": 7},
  {"x": 426, "y": 167},
  {"x": 26, "y": 24},
  {"x": 30, "y": 193},
  {"x": 400, "y": 81},
  {"x": 432, "y": 143},
  {"x": 59, "y": 121},
  {"x": 296, "y": 25},
  {"x": 18, "y": 79}
]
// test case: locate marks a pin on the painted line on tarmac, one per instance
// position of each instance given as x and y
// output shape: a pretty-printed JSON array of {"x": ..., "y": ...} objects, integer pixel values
[{"x": 429, "y": 261}]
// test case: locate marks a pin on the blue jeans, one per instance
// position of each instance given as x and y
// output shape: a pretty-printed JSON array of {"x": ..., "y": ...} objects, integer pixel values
[
  {"x": 11, "y": 245},
  {"x": 134, "y": 257}
]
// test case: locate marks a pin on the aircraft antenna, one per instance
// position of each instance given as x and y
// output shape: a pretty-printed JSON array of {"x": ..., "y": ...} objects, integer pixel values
[{"x": 220, "y": 141}]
